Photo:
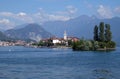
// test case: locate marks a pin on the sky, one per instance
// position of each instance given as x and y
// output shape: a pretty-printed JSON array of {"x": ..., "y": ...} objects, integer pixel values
[{"x": 16, "y": 12}]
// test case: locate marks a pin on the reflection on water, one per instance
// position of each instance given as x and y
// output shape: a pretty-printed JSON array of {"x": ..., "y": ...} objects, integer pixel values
[
  {"x": 36, "y": 63},
  {"x": 103, "y": 74}
]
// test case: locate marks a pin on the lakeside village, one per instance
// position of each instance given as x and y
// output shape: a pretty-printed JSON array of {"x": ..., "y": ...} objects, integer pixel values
[
  {"x": 55, "y": 42},
  {"x": 52, "y": 42},
  {"x": 102, "y": 41}
]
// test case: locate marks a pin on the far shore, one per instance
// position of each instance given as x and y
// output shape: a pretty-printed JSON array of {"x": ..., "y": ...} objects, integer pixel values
[{"x": 105, "y": 49}]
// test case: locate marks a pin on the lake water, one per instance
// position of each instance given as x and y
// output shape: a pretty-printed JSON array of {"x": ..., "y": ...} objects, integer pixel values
[{"x": 44, "y": 63}]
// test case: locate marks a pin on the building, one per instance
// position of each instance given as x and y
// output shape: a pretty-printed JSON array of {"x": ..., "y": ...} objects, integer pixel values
[
  {"x": 65, "y": 35},
  {"x": 73, "y": 39},
  {"x": 65, "y": 41},
  {"x": 56, "y": 40}
]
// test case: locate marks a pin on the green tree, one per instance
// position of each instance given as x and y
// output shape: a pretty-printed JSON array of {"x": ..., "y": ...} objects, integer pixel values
[
  {"x": 49, "y": 43},
  {"x": 101, "y": 33},
  {"x": 96, "y": 33},
  {"x": 70, "y": 42},
  {"x": 108, "y": 33}
]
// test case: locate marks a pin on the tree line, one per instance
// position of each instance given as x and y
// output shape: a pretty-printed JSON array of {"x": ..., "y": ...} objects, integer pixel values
[
  {"x": 102, "y": 39},
  {"x": 102, "y": 33}
]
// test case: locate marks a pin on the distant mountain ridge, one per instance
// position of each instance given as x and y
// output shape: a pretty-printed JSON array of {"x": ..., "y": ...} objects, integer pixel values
[
  {"x": 82, "y": 27},
  {"x": 20, "y": 26},
  {"x": 31, "y": 31}
]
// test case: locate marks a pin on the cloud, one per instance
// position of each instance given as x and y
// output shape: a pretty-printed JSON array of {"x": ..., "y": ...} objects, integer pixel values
[
  {"x": 39, "y": 17},
  {"x": 68, "y": 13},
  {"x": 104, "y": 12},
  {"x": 21, "y": 14},
  {"x": 71, "y": 9},
  {"x": 6, "y": 24},
  {"x": 7, "y": 14},
  {"x": 58, "y": 17},
  {"x": 4, "y": 21},
  {"x": 117, "y": 9},
  {"x": 42, "y": 16}
]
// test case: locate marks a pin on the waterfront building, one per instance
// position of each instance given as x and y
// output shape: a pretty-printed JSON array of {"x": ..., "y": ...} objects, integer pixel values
[{"x": 65, "y": 35}]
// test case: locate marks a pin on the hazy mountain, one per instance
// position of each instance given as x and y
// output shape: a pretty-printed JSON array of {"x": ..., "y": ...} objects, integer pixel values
[
  {"x": 3, "y": 37},
  {"x": 82, "y": 26},
  {"x": 20, "y": 26},
  {"x": 29, "y": 31},
  {"x": 79, "y": 26},
  {"x": 1, "y": 30}
]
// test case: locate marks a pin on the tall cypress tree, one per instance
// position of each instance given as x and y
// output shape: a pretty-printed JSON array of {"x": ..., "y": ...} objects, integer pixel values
[
  {"x": 96, "y": 33},
  {"x": 101, "y": 33},
  {"x": 108, "y": 33}
]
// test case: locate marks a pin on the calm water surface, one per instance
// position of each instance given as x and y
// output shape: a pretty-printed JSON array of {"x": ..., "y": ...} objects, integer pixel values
[{"x": 44, "y": 63}]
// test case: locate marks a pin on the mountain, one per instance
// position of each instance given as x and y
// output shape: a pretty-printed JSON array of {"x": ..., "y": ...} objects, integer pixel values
[
  {"x": 79, "y": 26},
  {"x": 82, "y": 27},
  {"x": 20, "y": 26},
  {"x": 1, "y": 30},
  {"x": 3, "y": 37},
  {"x": 30, "y": 31}
]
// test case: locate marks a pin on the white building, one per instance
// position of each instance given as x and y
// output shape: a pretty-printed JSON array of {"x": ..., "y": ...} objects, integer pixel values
[
  {"x": 56, "y": 40},
  {"x": 65, "y": 35}
]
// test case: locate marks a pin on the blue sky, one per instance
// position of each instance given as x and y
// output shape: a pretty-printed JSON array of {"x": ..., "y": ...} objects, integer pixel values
[
  {"x": 15, "y": 12},
  {"x": 31, "y": 6}
]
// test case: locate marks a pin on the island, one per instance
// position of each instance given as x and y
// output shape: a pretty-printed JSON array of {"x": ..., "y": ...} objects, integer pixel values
[{"x": 102, "y": 40}]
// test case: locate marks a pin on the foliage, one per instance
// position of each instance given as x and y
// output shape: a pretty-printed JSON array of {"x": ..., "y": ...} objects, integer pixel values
[
  {"x": 110, "y": 44},
  {"x": 70, "y": 42},
  {"x": 101, "y": 41},
  {"x": 95, "y": 45},
  {"x": 82, "y": 45},
  {"x": 49, "y": 43},
  {"x": 41, "y": 43},
  {"x": 102, "y": 44},
  {"x": 101, "y": 33},
  {"x": 96, "y": 33},
  {"x": 86, "y": 45},
  {"x": 79, "y": 45},
  {"x": 108, "y": 34}
]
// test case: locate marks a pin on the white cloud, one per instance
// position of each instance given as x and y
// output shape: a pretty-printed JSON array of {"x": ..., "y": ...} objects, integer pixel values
[
  {"x": 104, "y": 12},
  {"x": 43, "y": 16},
  {"x": 21, "y": 14},
  {"x": 6, "y": 24},
  {"x": 4, "y": 21},
  {"x": 7, "y": 14},
  {"x": 24, "y": 17},
  {"x": 58, "y": 17},
  {"x": 71, "y": 9},
  {"x": 39, "y": 17},
  {"x": 67, "y": 14},
  {"x": 117, "y": 9}
]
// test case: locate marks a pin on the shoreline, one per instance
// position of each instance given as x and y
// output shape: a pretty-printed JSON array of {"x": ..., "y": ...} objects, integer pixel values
[
  {"x": 99, "y": 49},
  {"x": 105, "y": 49}
]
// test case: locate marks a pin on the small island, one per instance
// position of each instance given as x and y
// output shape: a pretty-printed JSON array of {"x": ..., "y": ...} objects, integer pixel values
[{"x": 102, "y": 40}]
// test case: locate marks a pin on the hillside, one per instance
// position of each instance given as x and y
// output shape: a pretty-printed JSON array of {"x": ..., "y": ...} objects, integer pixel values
[
  {"x": 3, "y": 37},
  {"x": 29, "y": 31}
]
